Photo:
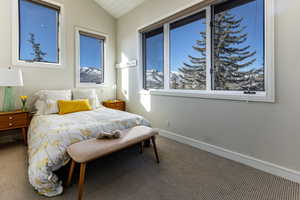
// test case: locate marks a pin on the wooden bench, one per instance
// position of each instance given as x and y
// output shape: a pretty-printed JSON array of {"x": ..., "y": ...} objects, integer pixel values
[{"x": 89, "y": 150}]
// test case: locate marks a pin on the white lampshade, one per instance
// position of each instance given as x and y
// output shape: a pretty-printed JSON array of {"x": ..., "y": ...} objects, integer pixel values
[{"x": 11, "y": 77}]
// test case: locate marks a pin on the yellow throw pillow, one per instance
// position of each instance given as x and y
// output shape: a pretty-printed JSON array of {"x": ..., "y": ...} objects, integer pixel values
[{"x": 66, "y": 107}]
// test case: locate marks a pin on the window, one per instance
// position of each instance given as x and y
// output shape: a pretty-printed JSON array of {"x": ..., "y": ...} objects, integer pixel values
[
  {"x": 90, "y": 54},
  {"x": 217, "y": 51},
  {"x": 37, "y": 33},
  {"x": 238, "y": 46},
  {"x": 154, "y": 59},
  {"x": 188, "y": 53}
]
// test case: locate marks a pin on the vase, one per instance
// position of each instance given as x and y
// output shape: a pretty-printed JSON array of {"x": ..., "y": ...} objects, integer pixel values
[{"x": 24, "y": 109}]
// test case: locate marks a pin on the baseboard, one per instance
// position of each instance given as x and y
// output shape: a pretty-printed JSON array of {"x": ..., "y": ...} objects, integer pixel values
[{"x": 238, "y": 157}]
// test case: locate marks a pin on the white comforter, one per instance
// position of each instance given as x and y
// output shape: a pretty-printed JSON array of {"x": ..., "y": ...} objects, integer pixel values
[{"x": 50, "y": 135}]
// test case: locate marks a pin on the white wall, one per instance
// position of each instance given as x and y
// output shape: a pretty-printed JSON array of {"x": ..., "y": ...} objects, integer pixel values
[
  {"x": 85, "y": 13},
  {"x": 269, "y": 132}
]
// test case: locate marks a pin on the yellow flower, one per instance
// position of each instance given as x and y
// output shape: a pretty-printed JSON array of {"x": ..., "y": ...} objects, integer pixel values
[{"x": 23, "y": 97}]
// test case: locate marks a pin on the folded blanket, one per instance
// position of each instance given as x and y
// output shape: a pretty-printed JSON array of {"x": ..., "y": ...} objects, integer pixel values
[{"x": 113, "y": 135}]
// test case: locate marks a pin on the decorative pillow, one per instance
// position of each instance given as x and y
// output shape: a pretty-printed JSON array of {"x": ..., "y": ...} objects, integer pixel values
[
  {"x": 46, "y": 102},
  {"x": 89, "y": 94},
  {"x": 66, "y": 107}
]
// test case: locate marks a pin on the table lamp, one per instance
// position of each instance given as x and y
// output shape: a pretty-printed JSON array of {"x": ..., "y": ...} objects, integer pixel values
[{"x": 10, "y": 78}]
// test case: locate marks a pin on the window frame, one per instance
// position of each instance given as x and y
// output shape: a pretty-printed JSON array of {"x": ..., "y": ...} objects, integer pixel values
[
  {"x": 207, "y": 11},
  {"x": 16, "y": 37},
  {"x": 145, "y": 56},
  {"x": 78, "y": 84},
  {"x": 267, "y": 96}
]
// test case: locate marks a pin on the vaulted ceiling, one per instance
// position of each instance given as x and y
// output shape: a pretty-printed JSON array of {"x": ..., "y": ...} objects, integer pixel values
[{"x": 117, "y": 8}]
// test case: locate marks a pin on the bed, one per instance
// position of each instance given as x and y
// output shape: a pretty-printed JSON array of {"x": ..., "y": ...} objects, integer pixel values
[{"x": 50, "y": 135}]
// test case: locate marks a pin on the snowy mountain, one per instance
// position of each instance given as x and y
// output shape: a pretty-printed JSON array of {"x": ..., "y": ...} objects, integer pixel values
[
  {"x": 91, "y": 75},
  {"x": 250, "y": 80},
  {"x": 154, "y": 79}
]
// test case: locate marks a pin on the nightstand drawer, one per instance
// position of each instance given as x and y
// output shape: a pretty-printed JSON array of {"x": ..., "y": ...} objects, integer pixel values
[
  {"x": 12, "y": 125},
  {"x": 116, "y": 104},
  {"x": 118, "y": 107},
  {"x": 17, "y": 117},
  {"x": 13, "y": 121}
]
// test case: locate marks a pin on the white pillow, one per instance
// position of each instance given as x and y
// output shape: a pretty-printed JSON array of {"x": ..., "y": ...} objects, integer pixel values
[
  {"x": 51, "y": 102},
  {"x": 47, "y": 100},
  {"x": 89, "y": 94}
]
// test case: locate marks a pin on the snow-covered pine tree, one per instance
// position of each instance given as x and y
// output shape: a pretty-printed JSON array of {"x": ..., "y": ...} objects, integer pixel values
[
  {"x": 193, "y": 76},
  {"x": 155, "y": 79},
  {"x": 253, "y": 80},
  {"x": 229, "y": 58},
  {"x": 175, "y": 82},
  {"x": 36, "y": 47}
]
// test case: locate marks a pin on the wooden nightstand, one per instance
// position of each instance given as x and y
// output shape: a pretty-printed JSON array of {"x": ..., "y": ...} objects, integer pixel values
[
  {"x": 15, "y": 120},
  {"x": 115, "y": 104}
]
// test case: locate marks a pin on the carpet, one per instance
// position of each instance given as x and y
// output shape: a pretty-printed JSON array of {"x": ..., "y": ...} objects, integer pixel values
[{"x": 184, "y": 173}]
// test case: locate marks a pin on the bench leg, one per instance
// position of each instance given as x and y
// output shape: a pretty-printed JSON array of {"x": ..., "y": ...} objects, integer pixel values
[
  {"x": 71, "y": 173},
  {"x": 155, "y": 149},
  {"x": 81, "y": 180},
  {"x": 141, "y": 147}
]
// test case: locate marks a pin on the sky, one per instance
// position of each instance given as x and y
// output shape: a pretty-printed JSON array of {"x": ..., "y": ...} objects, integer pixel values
[
  {"x": 183, "y": 38},
  {"x": 42, "y": 22},
  {"x": 155, "y": 52},
  {"x": 90, "y": 52}
]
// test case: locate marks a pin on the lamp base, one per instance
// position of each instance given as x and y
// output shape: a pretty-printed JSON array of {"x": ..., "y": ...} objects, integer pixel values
[{"x": 9, "y": 104}]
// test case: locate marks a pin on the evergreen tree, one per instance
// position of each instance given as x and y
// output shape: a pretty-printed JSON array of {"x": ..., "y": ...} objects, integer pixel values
[
  {"x": 175, "y": 81},
  {"x": 229, "y": 58},
  {"x": 193, "y": 76},
  {"x": 155, "y": 79},
  {"x": 36, "y": 47},
  {"x": 253, "y": 80}
]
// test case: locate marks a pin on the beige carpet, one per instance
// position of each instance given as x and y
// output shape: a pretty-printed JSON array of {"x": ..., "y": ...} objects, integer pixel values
[{"x": 185, "y": 173}]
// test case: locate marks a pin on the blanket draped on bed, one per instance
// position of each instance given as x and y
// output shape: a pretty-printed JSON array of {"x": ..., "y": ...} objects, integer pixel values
[{"x": 50, "y": 135}]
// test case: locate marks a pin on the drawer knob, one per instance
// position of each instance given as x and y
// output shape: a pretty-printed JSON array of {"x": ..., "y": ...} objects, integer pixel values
[
  {"x": 10, "y": 124},
  {"x": 10, "y": 118}
]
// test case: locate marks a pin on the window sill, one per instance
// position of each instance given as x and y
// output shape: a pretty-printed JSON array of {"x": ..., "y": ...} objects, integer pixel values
[
  {"x": 87, "y": 85},
  {"x": 221, "y": 95},
  {"x": 20, "y": 63}
]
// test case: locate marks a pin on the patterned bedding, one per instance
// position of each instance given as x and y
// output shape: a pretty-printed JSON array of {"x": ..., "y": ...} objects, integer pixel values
[{"x": 50, "y": 135}]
